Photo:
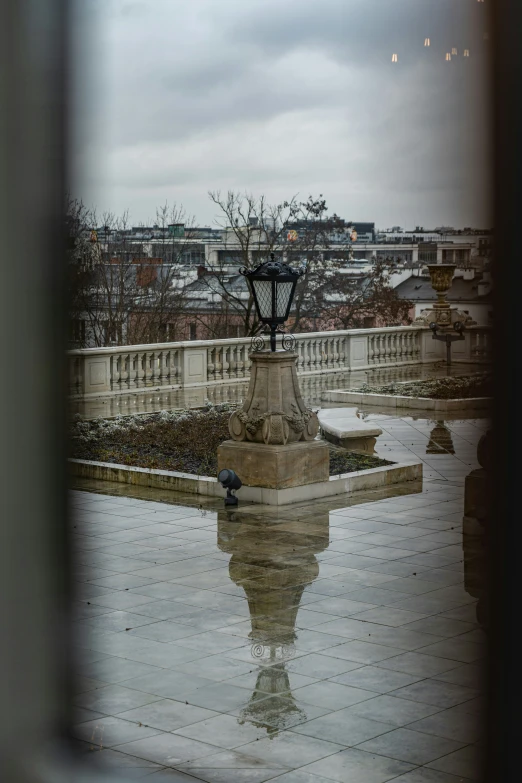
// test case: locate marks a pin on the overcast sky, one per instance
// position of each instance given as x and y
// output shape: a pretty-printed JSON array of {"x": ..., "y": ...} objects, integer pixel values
[{"x": 173, "y": 98}]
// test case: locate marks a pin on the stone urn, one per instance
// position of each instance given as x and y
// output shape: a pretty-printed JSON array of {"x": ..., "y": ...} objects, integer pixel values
[{"x": 441, "y": 277}]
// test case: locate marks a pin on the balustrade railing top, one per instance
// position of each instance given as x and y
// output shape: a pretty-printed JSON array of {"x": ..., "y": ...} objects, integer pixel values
[{"x": 95, "y": 371}]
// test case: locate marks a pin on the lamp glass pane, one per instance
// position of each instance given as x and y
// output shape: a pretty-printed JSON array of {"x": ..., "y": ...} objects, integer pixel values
[
  {"x": 284, "y": 292},
  {"x": 263, "y": 291}
]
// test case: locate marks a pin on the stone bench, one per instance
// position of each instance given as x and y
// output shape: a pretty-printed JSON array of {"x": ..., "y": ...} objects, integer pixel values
[{"x": 343, "y": 427}]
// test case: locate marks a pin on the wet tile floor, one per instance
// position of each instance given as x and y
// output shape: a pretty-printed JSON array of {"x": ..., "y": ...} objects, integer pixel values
[{"x": 307, "y": 644}]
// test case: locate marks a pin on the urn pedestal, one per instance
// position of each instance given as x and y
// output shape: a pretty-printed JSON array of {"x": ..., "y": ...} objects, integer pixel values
[
  {"x": 442, "y": 314},
  {"x": 273, "y": 435}
]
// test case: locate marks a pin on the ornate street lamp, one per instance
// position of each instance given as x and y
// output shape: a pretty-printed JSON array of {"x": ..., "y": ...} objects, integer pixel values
[
  {"x": 272, "y": 285},
  {"x": 273, "y": 433}
]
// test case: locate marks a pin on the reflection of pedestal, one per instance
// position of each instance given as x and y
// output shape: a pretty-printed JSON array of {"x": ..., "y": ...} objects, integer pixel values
[
  {"x": 440, "y": 440},
  {"x": 273, "y": 567},
  {"x": 273, "y": 433}
]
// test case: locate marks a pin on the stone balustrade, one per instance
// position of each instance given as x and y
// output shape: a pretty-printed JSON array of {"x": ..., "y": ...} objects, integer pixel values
[{"x": 100, "y": 371}]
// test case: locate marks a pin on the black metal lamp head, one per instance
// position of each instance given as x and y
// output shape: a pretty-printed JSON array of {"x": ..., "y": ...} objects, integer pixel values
[
  {"x": 230, "y": 481},
  {"x": 272, "y": 285}
]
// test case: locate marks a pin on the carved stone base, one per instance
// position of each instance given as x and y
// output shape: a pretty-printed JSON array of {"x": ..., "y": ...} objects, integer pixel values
[
  {"x": 276, "y": 466},
  {"x": 274, "y": 411}
]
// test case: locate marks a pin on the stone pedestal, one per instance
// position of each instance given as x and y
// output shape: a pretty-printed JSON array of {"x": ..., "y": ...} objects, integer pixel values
[
  {"x": 274, "y": 432},
  {"x": 274, "y": 410},
  {"x": 276, "y": 466},
  {"x": 441, "y": 313}
]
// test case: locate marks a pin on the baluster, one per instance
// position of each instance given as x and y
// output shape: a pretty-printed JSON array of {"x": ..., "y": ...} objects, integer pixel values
[
  {"x": 131, "y": 382},
  {"x": 370, "y": 348},
  {"x": 321, "y": 357},
  {"x": 311, "y": 354},
  {"x": 335, "y": 352},
  {"x": 299, "y": 352},
  {"x": 152, "y": 369},
  {"x": 393, "y": 340},
  {"x": 301, "y": 362},
  {"x": 156, "y": 368},
  {"x": 232, "y": 366},
  {"x": 148, "y": 368},
  {"x": 407, "y": 346},
  {"x": 140, "y": 370},
  {"x": 224, "y": 361},
  {"x": 384, "y": 348},
  {"x": 376, "y": 349},
  {"x": 211, "y": 367},
  {"x": 164, "y": 369},
  {"x": 176, "y": 366},
  {"x": 124, "y": 372},
  {"x": 114, "y": 371},
  {"x": 306, "y": 355},
  {"x": 219, "y": 364}
]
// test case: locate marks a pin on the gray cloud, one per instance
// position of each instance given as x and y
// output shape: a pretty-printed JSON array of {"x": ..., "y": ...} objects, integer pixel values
[{"x": 176, "y": 98}]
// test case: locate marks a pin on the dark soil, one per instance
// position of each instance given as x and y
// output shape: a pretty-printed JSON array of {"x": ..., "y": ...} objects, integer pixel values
[
  {"x": 185, "y": 442},
  {"x": 463, "y": 387}
]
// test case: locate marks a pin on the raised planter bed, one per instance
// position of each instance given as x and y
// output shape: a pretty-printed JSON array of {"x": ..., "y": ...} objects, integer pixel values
[
  {"x": 400, "y": 401},
  {"x": 347, "y": 483},
  {"x": 443, "y": 395},
  {"x": 177, "y": 451}
]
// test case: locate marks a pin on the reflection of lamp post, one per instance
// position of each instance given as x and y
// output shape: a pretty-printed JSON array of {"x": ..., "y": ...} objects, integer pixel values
[
  {"x": 272, "y": 285},
  {"x": 273, "y": 568}
]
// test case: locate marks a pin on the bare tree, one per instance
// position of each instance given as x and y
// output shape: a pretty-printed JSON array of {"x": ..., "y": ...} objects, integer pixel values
[
  {"x": 300, "y": 232},
  {"x": 122, "y": 293},
  {"x": 339, "y": 300}
]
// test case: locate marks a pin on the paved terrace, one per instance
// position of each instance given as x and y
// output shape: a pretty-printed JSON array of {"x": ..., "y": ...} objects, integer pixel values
[{"x": 326, "y": 642}]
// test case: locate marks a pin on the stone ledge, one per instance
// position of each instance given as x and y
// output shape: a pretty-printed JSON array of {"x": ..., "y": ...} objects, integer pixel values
[
  {"x": 399, "y": 401},
  {"x": 345, "y": 484}
]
